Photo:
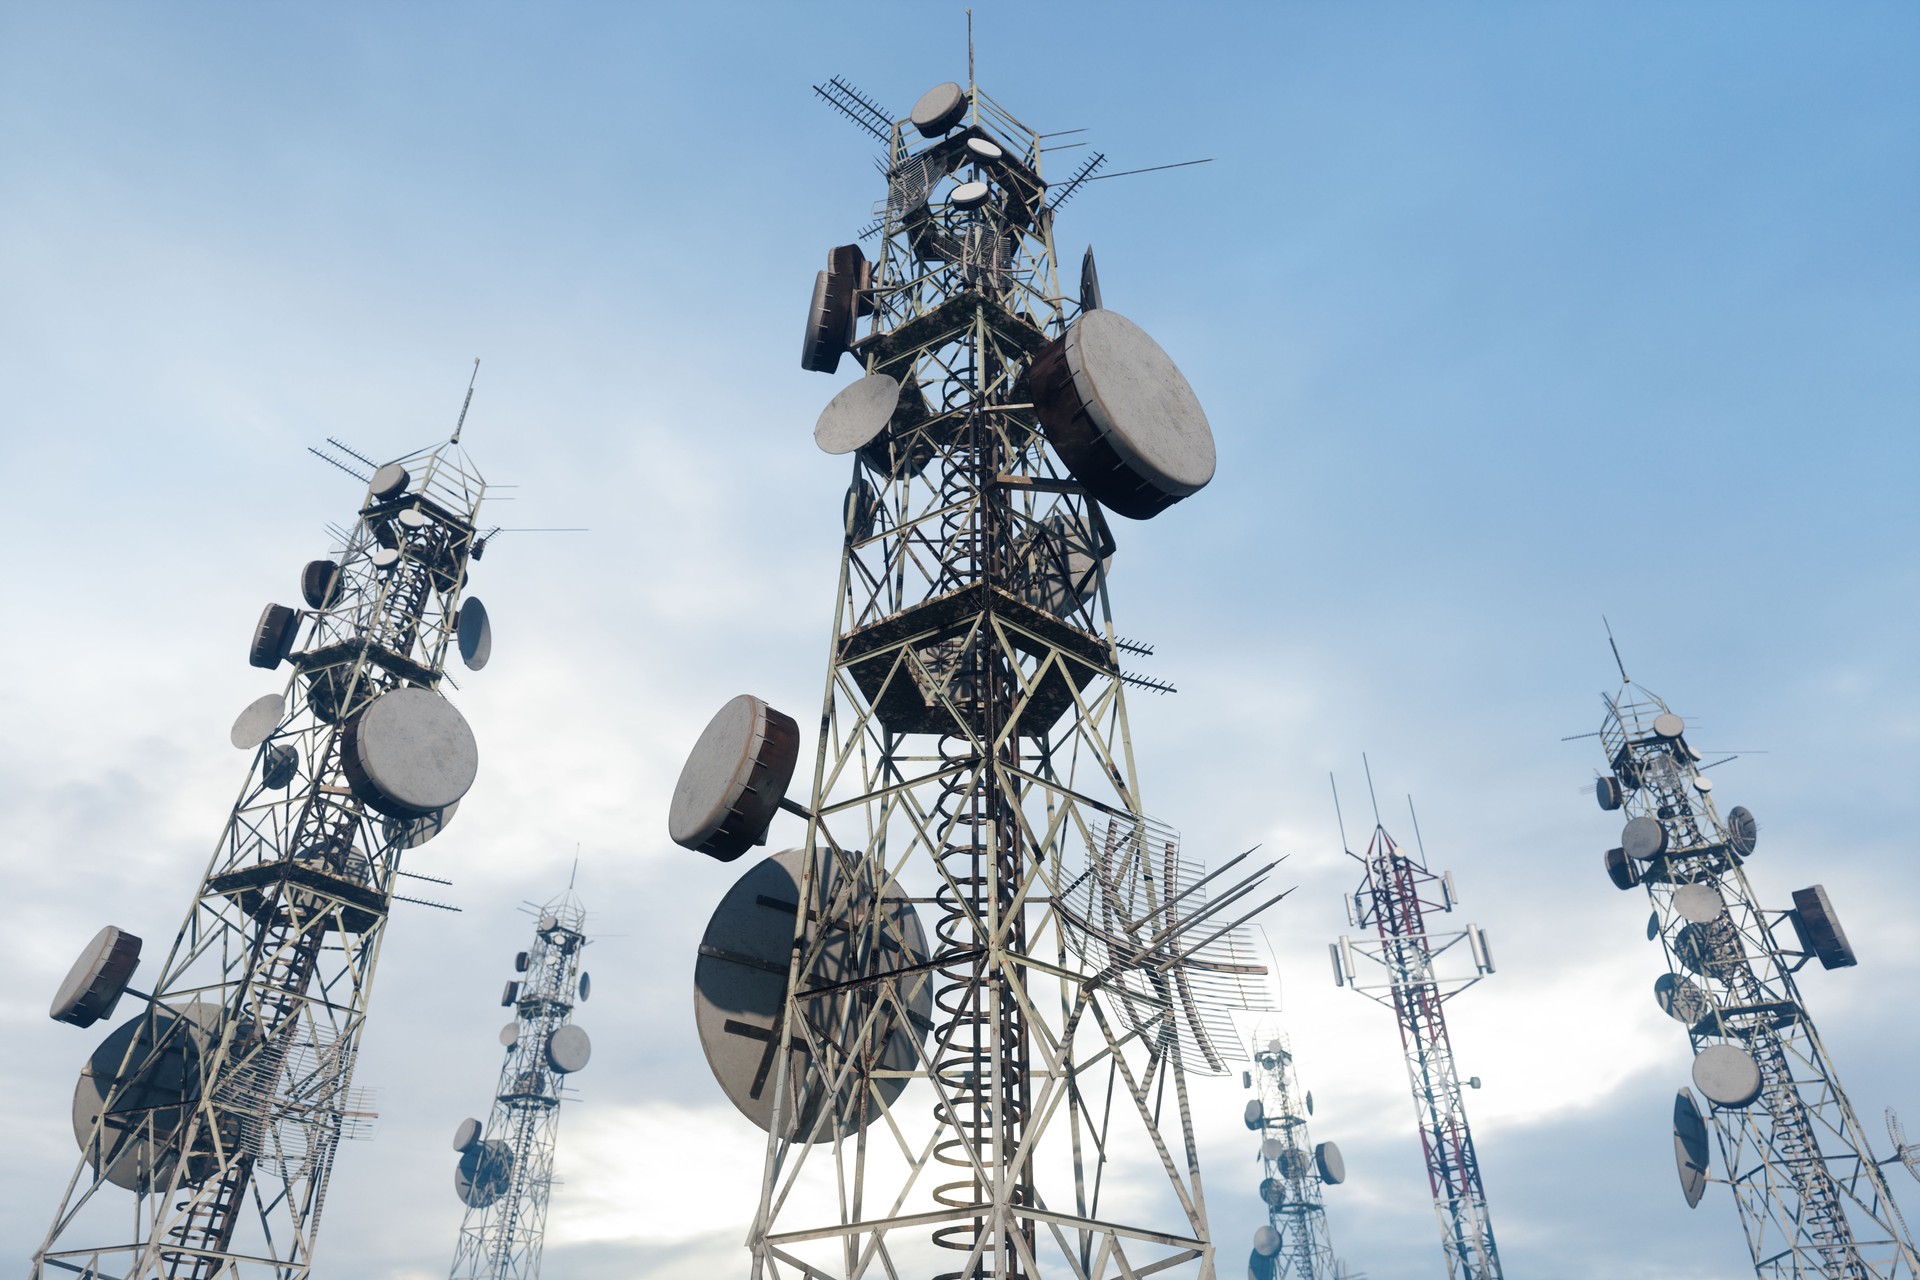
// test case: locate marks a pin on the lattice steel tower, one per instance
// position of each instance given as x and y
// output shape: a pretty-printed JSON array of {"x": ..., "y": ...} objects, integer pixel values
[
  {"x": 505, "y": 1174},
  {"x": 208, "y": 1121},
  {"x": 1812, "y": 1200},
  {"x": 1396, "y": 898},
  {"x": 1295, "y": 1244},
  {"x": 973, "y": 761}
]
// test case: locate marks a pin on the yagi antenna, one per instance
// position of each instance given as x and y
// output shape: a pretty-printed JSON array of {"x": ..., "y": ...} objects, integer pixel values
[
  {"x": 330, "y": 459},
  {"x": 350, "y": 451},
  {"x": 1080, "y": 178},
  {"x": 857, "y": 107}
]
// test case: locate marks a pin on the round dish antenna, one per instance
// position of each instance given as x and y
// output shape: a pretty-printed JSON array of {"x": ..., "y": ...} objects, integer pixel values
[
  {"x": 1742, "y": 831},
  {"x": 1690, "y": 1153},
  {"x": 411, "y": 833},
  {"x": 261, "y": 717},
  {"x": 1669, "y": 725},
  {"x": 279, "y": 766},
  {"x": 1699, "y": 903},
  {"x": 475, "y": 633},
  {"x": 1256, "y": 1114},
  {"x": 273, "y": 637},
  {"x": 568, "y": 1049},
  {"x": 970, "y": 195},
  {"x": 320, "y": 584},
  {"x": 466, "y": 1135},
  {"x": 1122, "y": 416},
  {"x": 95, "y": 983},
  {"x": 740, "y": 987},
  {"x": 410, "y": 753},
  {"x": 1727, "y": 1075},
  {"x": 154, "y": 1059},
  {"x": 1620, "y": 869},
  {"x": 860, "y": 412},
  {"x": 389, "y": 481},
  {"x": 1266, "y": 1242},
  {"x": 1644, "y": 839},
  {"x": 1681, "y": 999},
  {"x": 734, "y": 779},
  {"x": 1332, "y": 1166},
  {"x": 483, "y": 1174},
  {"x": 1607, "y": 790},
  {"x": 939, "y": 109}
]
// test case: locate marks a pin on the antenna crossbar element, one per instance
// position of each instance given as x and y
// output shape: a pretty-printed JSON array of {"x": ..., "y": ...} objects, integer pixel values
[
  {"x": 856, "y": 106},
  {"x": 1813, "y": 1201},
  {"x": 1411, "y": 970}
]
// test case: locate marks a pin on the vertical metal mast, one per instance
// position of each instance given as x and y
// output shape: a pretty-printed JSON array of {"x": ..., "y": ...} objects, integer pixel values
[
  {"x": 505, "y": 1173},
  {"x": 1395, "y": 899},
  {"x": 1295, "y": 1244},
  {"x": 217, "y": 1108},
  {"x": 1812, "y": 1200},
  {"x": 973, "y": 760}
]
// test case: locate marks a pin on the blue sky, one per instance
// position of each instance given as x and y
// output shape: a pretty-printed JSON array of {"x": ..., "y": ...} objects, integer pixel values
[{"x": 1507, "y": 316}]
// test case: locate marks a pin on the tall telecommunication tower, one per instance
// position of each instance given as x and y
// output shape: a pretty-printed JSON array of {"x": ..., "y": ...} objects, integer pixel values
[
  {"x": 1295, "y": 1244},
  {"x": 505, "y": 1172},
  {"x": 973, "y": 761},
  {"x": 1812, "y": 1199},
  {"x": 1395, "y": 898},
  {"x": 208, "y": 1121}
]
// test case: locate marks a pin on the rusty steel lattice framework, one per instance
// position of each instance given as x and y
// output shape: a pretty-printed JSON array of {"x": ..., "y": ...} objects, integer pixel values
[
  {"x": 505, "y": 1175},
  {"x": 974, "y": 755},
  {"x": 218, "y": 1108},
  {"x": 1396, "y": 899},
  {"x": 1301, "y": 1246},
  {"x": 1812, "y": 1199}
]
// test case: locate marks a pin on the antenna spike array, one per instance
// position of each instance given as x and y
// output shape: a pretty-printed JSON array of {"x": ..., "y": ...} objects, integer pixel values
[{"x": 857, "y": 107}]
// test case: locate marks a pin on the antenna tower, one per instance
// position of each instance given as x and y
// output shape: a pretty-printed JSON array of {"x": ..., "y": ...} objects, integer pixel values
[
  {"x": 1812, "y": 1200},
  {"x": 957, "y": 1099},
  {"x": 1396, "y": 898},
  {"x": 208, "y": 1121},
  {"x": 505, "y": 1174},
  {"x": 1295, "y": 1244}
]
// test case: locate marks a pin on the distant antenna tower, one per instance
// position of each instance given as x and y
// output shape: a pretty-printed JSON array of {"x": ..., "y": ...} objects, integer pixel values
[
  {"x": 973, "y": 763},
  {"x": 1395, "y": 899},
  {"x": 1812, "y": 1199},
  {"x": 505, "y": 1172},
  {"x": 207, "y": 1122},
  {"x": 1295, "y": 1244}
]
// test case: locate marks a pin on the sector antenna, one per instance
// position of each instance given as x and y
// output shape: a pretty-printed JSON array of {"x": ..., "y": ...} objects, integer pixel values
[
  {"x": 1812, "y": 1200},
  {"x": 208, "y": 1120},
  {"x": 504, "y": 1176},
  {"x": 978, "y": 985},
  {"x": 1414, "y": 968}
]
